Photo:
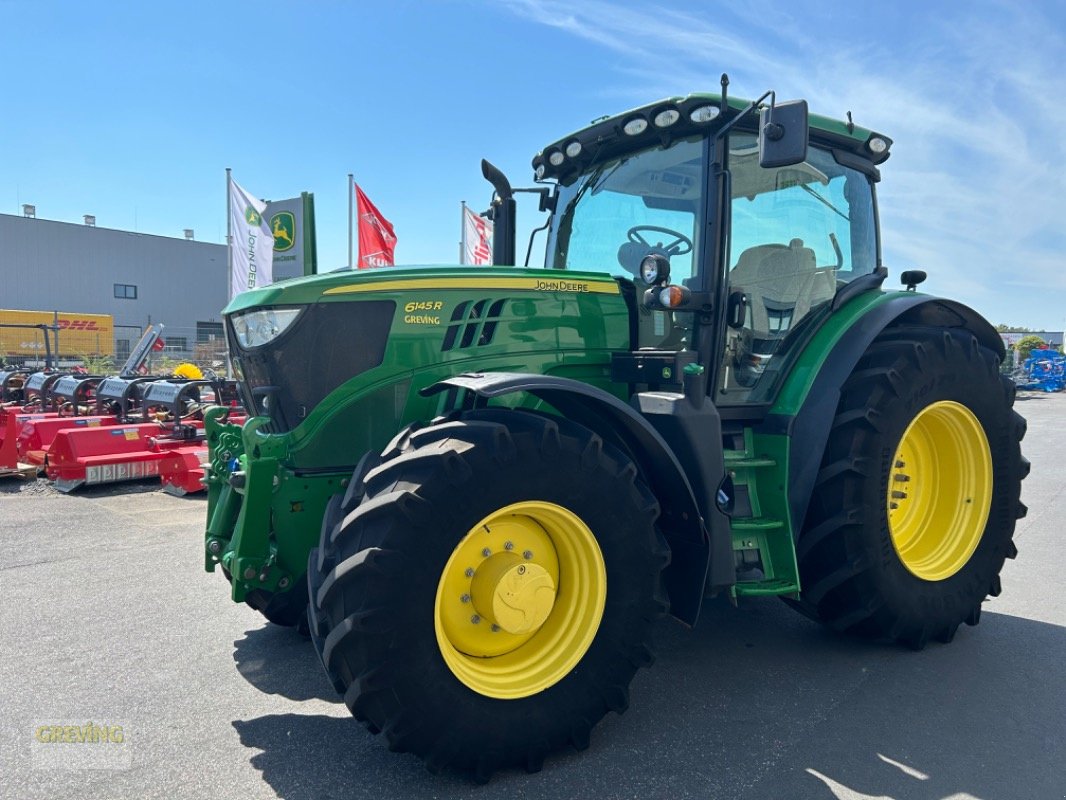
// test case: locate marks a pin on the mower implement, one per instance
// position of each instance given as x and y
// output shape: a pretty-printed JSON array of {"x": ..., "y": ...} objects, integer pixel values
[
  {"x": 75, "y": 395},
  {"x": 478, "y": 488},
  {"x": 169, "y": 447},
  {"x": 12, "y": 383},
  {"x": 115, "y": 401},
  {"x": 11, "y": 423},
  {"x": 36, "y": 391}
]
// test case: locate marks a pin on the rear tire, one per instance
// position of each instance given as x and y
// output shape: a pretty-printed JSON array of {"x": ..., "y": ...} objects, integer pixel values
[
  {"x": 895, "y": 545},
  {"x": 383, "y": 580}
]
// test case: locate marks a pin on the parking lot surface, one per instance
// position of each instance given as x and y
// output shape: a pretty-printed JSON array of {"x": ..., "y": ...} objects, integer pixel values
[{"x": 109, "y": 621}]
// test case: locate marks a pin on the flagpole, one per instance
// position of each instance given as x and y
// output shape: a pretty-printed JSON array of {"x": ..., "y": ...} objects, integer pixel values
[
  {"x": 229, "y": 239},
  {"x": 351, "y": 180},
  {"x": 229, "y": 261},
  {"x": 462, "y": 228}
]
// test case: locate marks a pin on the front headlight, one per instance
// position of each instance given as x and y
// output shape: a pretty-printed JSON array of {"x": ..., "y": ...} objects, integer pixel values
[{"x": 255, "y": 328}]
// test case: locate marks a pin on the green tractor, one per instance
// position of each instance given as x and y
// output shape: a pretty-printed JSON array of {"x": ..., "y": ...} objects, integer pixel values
[{"x": 479, "y": 487}]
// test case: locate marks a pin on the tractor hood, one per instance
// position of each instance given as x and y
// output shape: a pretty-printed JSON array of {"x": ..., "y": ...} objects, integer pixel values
[
  {"x": 334, "y": 285},
  {"x": 293, "y": 343}
]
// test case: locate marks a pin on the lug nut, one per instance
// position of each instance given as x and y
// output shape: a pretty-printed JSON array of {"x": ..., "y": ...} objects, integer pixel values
[
  {"x": 214, "y": 547},
  {"x": 486, "y": 552},
  {"x": 508, "y": 545},
  {"x": 495, "y": 628},
  {"x": 475, "y": 619},
  {"x": 527, "y": 554},
  {"x": 464, "y": 599},
  {"x": 469, "y": 572}
]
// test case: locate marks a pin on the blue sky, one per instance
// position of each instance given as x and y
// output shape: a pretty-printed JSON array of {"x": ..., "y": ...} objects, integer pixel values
[{"x": 132, "y": 111}]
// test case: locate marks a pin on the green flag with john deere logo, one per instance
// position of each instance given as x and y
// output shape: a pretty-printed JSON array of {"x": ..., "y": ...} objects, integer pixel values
[{"x": 292, "y": 224}]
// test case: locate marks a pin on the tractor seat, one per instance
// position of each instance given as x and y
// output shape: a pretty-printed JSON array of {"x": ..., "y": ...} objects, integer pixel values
[{"x": 783, "y": 283}]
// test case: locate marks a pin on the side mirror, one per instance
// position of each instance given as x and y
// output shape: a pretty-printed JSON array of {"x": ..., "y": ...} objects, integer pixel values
[
  {"x": 911, "y": 278},
  {"x": 783, "y": 134},
  {"x": 736, "y": 310}
]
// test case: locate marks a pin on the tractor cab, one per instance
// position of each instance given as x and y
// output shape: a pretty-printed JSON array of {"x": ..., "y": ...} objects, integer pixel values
[{"x": 737, "y": 245}]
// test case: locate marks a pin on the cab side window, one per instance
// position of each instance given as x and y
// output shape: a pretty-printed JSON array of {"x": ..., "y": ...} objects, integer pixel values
[{"x": 798, "y": 234}]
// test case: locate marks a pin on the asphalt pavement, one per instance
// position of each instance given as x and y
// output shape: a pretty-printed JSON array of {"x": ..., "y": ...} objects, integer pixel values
[{"x": 110, "y": 629}]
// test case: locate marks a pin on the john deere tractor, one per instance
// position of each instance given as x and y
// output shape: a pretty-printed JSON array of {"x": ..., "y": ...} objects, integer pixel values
[{"x": 480, "y": 486}]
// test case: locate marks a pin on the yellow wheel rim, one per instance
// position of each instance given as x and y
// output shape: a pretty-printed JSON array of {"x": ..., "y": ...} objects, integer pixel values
[
  {"x": 940, "y": 490},
  {"x": 520, "y": 600}
]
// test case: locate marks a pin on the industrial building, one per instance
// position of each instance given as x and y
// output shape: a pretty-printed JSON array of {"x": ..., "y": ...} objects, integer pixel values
[{"x": 137, "y": 278}]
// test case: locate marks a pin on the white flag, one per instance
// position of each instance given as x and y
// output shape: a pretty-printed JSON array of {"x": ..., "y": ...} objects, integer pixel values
[
  {"x": 477, "y": 239},
  {"x": 252, "y": 247}
]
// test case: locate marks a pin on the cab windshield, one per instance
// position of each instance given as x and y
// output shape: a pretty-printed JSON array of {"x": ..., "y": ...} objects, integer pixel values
[{"x": 612, "y": 216}]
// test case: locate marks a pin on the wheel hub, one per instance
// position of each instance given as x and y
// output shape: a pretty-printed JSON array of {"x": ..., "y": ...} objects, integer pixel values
[
  {"x": 940, "y": 490},
  {"x": 514, "y": 595},
  {"x": 520, "y": 599}
]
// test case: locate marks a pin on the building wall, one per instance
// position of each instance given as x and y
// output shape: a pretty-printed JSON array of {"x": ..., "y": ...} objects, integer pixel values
[{"x": 47, "y": 265}]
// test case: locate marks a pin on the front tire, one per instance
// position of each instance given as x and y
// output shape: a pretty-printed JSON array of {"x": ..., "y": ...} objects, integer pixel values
[
  {"x": 914, "y": 508},
  {"x": 493, "y": 593}
]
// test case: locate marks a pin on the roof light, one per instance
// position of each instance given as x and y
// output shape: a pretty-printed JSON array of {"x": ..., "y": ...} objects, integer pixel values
[
  {"x": 556, "y": 158},
  {"x": 635, "y": 126},
  {"x": 573, "y": 150},
  {"x": 704, "y": 113},
  {"x": 877, "y": 145},
  {"x": 664, "y": 119}
]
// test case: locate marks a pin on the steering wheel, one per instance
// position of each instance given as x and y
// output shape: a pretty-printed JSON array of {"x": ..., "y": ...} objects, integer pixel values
[{"x": 678, "y": 247}]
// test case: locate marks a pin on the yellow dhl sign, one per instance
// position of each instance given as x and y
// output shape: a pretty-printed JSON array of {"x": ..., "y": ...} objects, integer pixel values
[{"x": 79, "y": 334}]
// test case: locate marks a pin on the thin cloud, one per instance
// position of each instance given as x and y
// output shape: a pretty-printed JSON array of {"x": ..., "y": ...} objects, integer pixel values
[{"x": 972, "y": 193}]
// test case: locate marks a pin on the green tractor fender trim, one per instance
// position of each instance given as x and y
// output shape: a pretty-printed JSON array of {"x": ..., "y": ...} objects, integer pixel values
[
  {"x": 695, "y": 528},
  {"x": 809, "y": 399}
]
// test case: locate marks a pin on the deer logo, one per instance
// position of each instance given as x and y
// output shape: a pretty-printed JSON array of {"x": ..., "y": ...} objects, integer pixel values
[{"x": 283, "y": 226}]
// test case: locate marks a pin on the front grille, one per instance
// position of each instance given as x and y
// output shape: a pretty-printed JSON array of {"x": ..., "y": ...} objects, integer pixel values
[{"x": 328, "y": 344}]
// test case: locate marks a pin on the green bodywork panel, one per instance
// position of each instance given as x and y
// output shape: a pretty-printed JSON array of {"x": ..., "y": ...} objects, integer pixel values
[
  {"x": 763, "y": 464},
  {"x": 558, "y": 323}
]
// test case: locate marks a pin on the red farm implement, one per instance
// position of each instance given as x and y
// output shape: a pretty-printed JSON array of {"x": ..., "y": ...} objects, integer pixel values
[{"x": 163, "y": 438}]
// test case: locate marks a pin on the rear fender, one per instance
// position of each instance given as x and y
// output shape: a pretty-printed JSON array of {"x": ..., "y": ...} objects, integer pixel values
[{"x": 808, "y": 429}]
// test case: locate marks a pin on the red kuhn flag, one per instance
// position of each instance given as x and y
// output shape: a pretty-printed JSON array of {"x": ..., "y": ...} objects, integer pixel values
[
  {"x": 377, "y": 242},
  {"x": 477, "y": 239}
]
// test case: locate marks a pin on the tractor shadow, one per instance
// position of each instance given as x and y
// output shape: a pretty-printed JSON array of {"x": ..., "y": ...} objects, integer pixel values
[
  {"x": 278, "y": 660},
  {"x": 1029, "y": 395},
  {"x": 755, "y": 702}
]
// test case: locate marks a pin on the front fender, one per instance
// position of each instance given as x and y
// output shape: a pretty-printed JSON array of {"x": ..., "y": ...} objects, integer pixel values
[{"x": 695, "y": 546}]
